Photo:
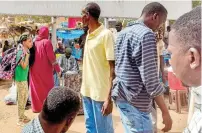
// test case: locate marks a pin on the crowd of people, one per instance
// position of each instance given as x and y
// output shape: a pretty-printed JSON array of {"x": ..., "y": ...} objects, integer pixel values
[{"x": 125, "y": 69}]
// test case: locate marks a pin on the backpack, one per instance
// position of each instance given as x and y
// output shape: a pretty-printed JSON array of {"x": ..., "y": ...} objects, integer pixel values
[{"x": 9, "y": 63}]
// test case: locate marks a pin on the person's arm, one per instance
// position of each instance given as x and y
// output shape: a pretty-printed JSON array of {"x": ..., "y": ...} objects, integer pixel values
[
  {"x": 112, "y": 77},
  {"x": 51, "y": 55},
  {"x": 108, "y": 104},
  {"x": 167, "y": 121},
  {"x": 75, "y": 65},
  {"x": 109, "y": 51},
  {"x": 61, "y": 63},
  {"x": 147, "y": 65},
  {"x": 25, "y": 63}
]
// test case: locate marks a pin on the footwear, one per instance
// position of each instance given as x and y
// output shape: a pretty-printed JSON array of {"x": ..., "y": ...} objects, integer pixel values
[
  {"x": 26, "y": 119},
  {"x": 28, "y": 103},
  {"x": 22, "y": 122},
  {"x": 28, "y": 107}
]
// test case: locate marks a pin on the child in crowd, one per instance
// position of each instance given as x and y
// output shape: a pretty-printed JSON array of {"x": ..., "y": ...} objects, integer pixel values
[{"x": 21, "y": 74}]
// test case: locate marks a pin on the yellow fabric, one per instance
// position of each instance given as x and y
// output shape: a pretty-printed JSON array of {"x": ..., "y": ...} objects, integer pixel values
[
  {"x": 58, "y": 56},
  {"x": 99, "y": 49}
]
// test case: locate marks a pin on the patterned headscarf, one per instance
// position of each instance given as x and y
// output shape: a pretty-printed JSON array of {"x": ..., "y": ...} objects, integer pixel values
[{"x": 24, "y": 37}]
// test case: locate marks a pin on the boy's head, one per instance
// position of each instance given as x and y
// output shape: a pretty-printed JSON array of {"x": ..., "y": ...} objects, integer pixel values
[
  {"x": 61, "y": 107},
  {"x": 26, "y": 40},
  {"x": 185, "y": 47}
]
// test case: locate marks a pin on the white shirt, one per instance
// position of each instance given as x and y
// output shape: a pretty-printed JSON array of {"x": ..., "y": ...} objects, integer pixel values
[{"x": 195, "y": 125}]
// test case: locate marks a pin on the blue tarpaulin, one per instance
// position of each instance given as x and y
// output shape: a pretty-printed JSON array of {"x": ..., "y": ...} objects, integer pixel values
[
  {"x": 70, "y": 34},
  {"x": 67, "y": 36}
]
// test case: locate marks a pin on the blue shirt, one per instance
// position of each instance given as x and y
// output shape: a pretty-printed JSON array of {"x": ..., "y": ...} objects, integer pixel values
[
  {"x": 136, "y": 67},
  {"x": 33, "y": 127}
]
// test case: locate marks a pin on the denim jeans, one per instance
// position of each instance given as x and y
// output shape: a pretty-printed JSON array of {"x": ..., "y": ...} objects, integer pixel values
[
  {"x": 94, "y": 120},
  {"x": 134, "y": 121},
  {"x": 153, "y": 115},
  {"x": 56, "y": 80}
]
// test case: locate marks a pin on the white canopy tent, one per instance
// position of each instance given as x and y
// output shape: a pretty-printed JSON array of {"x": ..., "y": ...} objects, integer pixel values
[{"x": 110, "y": 9}]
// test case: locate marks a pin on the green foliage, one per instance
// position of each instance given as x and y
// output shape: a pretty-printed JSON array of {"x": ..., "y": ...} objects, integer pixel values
[
  {"x": 196, "y": 3},
  {"x": 36, "y": 19},
  {"x": 41, "y": 19}
]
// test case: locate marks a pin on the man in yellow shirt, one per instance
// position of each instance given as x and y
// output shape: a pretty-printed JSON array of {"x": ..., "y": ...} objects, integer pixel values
[{"x": 98, "y": 72}]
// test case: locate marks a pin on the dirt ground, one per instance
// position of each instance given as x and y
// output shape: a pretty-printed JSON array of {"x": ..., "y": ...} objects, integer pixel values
[{"x": 8, "y": 118}]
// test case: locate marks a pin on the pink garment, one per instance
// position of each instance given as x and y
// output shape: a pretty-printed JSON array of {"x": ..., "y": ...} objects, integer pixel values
[{"x": 41, "y": 73}]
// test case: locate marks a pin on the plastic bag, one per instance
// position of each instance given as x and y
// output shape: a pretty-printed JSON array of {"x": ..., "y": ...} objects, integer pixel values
[{"x": 11, "y": 98}]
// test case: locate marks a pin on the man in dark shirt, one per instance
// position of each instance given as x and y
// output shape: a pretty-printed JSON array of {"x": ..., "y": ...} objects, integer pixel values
[{"x": 60, "y": 49}]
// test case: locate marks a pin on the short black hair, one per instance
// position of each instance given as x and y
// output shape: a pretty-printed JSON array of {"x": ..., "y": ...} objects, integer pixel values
[
  {"x": 118, "y": 23},
  {"x": 187, "y": 28},
  {"x": 60, "y": 104},
  {"x": 153, "y": 8},
  {"x": 93, "y": 9},
  {"x": 168, "y": 28},
  {"x": 6, "y": 43}
]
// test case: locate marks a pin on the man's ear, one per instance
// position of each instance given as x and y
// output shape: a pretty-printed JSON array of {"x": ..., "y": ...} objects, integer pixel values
[
  {"x": 195, "y": 58},
  {"x": 69, "y": 121},
  {"x": 70, "y": 118},
  {"x": 155, "y": 16}
]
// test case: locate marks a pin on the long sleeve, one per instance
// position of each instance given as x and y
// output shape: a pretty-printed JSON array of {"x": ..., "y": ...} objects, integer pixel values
[
  {"x": 51, "y": 55},
  {"x": 75, "y": 66},
  {"x": 61, "y": 63},
  {"x": 148, "y": 66}
]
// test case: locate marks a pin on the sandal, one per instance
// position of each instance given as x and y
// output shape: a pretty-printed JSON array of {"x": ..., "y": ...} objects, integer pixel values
[{"x": 23, "y": 121}]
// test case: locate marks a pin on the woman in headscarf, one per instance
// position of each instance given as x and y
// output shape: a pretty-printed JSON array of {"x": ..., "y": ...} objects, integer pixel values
[
  {"x": 5, "y": 47},
  {"x": 41, "y": 72}
]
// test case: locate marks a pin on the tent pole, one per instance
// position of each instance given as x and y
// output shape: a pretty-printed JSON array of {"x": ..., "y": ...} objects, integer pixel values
[
  {"x": 54, "y": 41},
  {"x": 106, "y": 22}
]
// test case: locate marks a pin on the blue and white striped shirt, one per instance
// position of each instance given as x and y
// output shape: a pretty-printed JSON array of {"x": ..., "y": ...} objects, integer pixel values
[{"x": 136, "y": 66}]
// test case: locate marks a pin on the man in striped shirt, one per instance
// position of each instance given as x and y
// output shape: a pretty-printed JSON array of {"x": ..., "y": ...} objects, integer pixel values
[{"x": 137, "y": 81}]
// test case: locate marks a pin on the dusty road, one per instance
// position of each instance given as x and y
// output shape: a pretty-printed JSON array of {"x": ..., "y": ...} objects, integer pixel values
[{"x": 8, "y": 118}]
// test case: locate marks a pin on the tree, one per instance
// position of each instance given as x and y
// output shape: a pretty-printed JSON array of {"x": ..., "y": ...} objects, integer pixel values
[
  {"x": 41, "y": 19},
  {"x": 196, "y": 3},
  {"x": 36, "y": 19}
]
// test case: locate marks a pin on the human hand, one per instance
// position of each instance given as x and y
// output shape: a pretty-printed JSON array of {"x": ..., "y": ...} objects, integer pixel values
[
  {"x": 60, "y": 74},
  {"x": 167, "y": 121},
  {"x": 107, "y": 107}
]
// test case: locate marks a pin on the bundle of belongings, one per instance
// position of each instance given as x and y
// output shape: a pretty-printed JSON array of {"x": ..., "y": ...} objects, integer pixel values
[{"x": 11, "y": 98}]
